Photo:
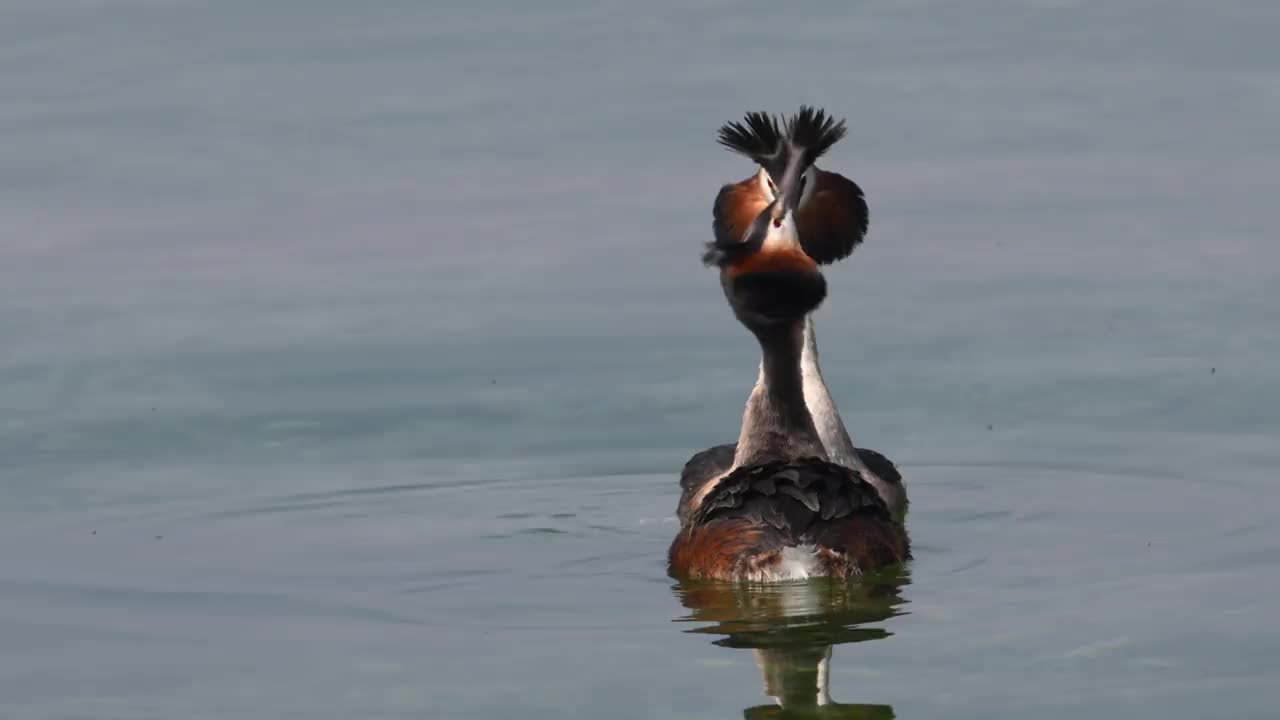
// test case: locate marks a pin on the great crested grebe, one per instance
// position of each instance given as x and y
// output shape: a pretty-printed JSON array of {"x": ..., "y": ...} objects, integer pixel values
[
  {"x": 831, "y": 221},
  {"x": 782, "y": 511}
]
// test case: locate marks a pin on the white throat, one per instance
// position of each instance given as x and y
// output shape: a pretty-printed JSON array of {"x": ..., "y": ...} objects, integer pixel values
[
  {"x": 810, "y": 182},
  {"x": 766, "y": 184},
  {"x": 769, "y": 188}
]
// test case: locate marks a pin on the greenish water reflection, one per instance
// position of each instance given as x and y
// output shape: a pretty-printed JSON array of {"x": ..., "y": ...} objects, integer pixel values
[{"x": 791, "y": 630}]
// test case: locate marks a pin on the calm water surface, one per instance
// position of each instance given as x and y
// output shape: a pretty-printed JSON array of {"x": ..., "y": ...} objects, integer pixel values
[{"x": 349, "y": 354}]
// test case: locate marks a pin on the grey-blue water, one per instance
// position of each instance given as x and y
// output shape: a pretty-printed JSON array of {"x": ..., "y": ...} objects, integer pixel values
[{"x": 349, "y": 353}]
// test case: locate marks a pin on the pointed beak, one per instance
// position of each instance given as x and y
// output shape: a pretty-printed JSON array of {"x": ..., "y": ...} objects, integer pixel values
[{"x": 789, "y": 186}]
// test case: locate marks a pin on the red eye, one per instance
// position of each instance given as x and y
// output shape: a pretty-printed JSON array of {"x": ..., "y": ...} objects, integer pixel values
[{"x": 777, "y": 222}]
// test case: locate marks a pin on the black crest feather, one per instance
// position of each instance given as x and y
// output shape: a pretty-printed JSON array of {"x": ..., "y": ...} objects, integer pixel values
[
  {"x": 815, "y": 131},
  {"x": 758, "y": 136}
]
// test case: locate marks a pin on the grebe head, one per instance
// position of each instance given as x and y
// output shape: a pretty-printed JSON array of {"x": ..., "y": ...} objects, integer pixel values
[
  {"x": 833, "y": 214},
  {"x": 768, "y": 278}
]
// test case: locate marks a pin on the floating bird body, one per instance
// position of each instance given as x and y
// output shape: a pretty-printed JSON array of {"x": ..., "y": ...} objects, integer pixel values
[
  {"x": 831, "y": 222},
  {"x": 783, "y": 510}
]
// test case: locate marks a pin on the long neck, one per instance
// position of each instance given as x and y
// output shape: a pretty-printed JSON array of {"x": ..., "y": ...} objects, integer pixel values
[
  {"x": 776, "y": 423},
  {"x": 830, "y": 427},
  {"x": 826, "y": 418}
]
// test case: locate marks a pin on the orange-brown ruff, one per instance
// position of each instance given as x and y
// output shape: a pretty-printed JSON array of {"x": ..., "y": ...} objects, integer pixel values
[{"x": 832, "y": 218}]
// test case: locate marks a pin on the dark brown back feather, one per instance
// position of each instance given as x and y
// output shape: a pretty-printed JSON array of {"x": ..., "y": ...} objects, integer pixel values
[
  {"x": 795, "y": 498},
  {"x": 712, "y": 462},
  {"x": 878, "y": 464},
  {"x": 701, "y": 469}
]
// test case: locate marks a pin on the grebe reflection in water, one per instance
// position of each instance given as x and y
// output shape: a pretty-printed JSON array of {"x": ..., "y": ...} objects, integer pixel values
[{"x": 792, "y": 629}]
